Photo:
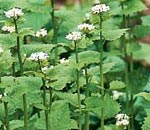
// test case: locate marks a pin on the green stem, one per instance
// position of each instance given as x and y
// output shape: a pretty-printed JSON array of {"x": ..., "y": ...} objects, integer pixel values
[
  {"x": 87, "y": 95},
  {"x": 6, "y": 115},
  {"x": 25, "y": 111},
  {"x": 54, "y": 25},
  {"x": 18, "y": 48},
  {"x": 101, "y": 74},
  {"x": 21, "y": 73},
  {"x": 78, "y": 86},
  {"x": 44, "y": 99}
]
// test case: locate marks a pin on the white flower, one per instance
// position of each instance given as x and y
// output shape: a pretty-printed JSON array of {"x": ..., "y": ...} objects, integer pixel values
[
  {"x": 45, "y": 68},
  {"x": 116, "y": 94},
  {"x": 1, "y": 96},
  {"x": 122, "y": 120},
  {"x": 14, "y": 13},
  {"x": 85, "y": 27},
  {"x": 10, "y": 29},
  {"x": 63, "y": 60},
  {"x": 41, "y": 33},
  {"x": 100, "y": 8},
  {"x": 74, "y": 36},
  {"x": 1, "y": 50},
  {"x": 38, "y": 56}
]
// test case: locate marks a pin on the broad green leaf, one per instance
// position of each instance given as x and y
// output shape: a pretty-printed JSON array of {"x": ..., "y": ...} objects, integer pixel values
[
  {"x": 16, "y": 124},
  {"x": 116, "y": 85},
  {"x": 60, "y": 76},
  {"x": 141, "y": 31},
  {"x": 36, "y": 20},
  {"x": 143, "y": 53},
  {"x": 145, "y": 95},
  {"x": 146, "y": 125},
  {"x": 145, "y": 20},
  {"x": 119, "y": 64},
  {"x": 8, "y": 40},
  {"x": 113, "y": 34},
  {"x": 95, "y": 104},
  {"x": 28, "y": 49},
  {"x": 69, "y": 97},
  {"x": 60, "y": 116},
  {"x": 133, "y": 6},
  {"x": 86, "y": 57}
]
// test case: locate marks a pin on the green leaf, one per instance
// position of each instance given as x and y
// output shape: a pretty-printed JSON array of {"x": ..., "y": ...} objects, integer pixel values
[
  {"x": 8, "y": 40},
  {"x": 85, "y": 57},
  {"x": 32, "y": 22},
  {"x": 141, "y": 31},
  {"x": 143, "y": 53},
  {"x": 60, "y": 116},
  {"x": 133, "y": 6},
  {"x": 95, "y": 104},
  {"x": 146, "y": 125},
  {"x": 116, "y": 85},
  {"x": 145, "y": 20},
  {"x": 145, "y": 95},
  {"x": 69, "y": 97},
  {"x": 60, "y": 76},
  {"x": 113, "y": 34},
  {"x": 16, "y": 124}
]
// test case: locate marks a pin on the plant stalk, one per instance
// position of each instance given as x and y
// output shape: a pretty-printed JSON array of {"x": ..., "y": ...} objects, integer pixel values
[
  {"x": 6, "y": 115},
  {"x": 25, "y": 111},
  {"x": 78, "y": 86},
  {"x": 55, "y": 32},
  {"x": 87, "y": 95},
  {"x": 44, "y": 99},
  {"x": 18, "y": 48},
  {"x": 101, "y": 73},
  {"x": 21, "y": 73}
]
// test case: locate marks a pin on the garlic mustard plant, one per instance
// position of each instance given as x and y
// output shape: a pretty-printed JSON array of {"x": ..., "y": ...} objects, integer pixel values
[
  {"x": 99, "y": 8},
  {"x": 74, "y": 36},
  {"x": 41, "y": 33},
  {"x": 86, "y": 27},
  {"x": 9, "y": 29},
  {"x": 122, "y": 120},
  {"x": 38, "y": 56},
  {"x": 14, "y": 13},
  {"x": 63, "y": 60}
]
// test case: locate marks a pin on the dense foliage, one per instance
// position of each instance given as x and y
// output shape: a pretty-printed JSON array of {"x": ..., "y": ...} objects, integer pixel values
[{"x": 76, "y": 67}]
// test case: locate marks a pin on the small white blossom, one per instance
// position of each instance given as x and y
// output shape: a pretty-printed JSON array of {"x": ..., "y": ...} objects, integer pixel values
[
  {"x": 41, "y": 33},
  {"x": 1, "y": 96},
  {"x": 74, "y": 36},
  {"x": 116, "y": 94},
  {"x": 122, "y": 120},
  {"x": 100, "y": 8},
  {"x": 85, "y": 27},
  {"x": 38, "y": 56},
  {"x": 10, "y": 29},
  {"x": 63, "y": 60},
  {"x": 1, "y": 50},
  {"x": 14, "y": 13}
]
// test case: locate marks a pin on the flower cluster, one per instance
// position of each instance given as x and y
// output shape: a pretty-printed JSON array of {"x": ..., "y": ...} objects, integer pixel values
[
  {"x": 63, "y": 60},
  {"x": 100, "y": 8},
  {"x": 14, "y": 13},
  {"x": 85, "y": 27},
  {"x": 38, "y": 56},
  {"x": 10, "y": 29},
  {"x": 41, "y": 33},
  {"x": 1, "y": 50},
  {"x": 122, "y": 120},
  {"x": 74, "y": 36}
]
